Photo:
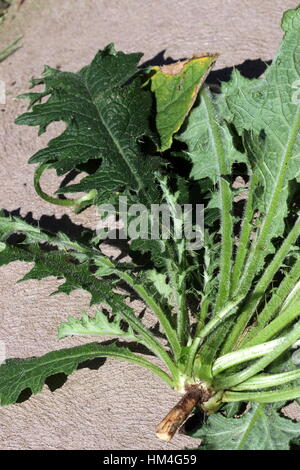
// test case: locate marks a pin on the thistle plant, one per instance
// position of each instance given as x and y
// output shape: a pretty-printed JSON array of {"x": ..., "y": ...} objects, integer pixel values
[{"x": 228, "y": 300}]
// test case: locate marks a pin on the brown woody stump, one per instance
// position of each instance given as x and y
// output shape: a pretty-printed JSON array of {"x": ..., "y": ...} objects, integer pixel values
[{"x": 195, "y": 394}]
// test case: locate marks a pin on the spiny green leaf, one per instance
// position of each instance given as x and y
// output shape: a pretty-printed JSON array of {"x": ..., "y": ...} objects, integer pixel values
[
  {"x": 58, "y": 264},
  {"x": 18, "y": 374},
  {"x": 155, "y": 248},
  {"x": 202, "y": 151},
  {"x": 105, "y": 121},
  {"x": 269, "y": 110},
  {"x": 210, "y": 146},
  {"x": 97, "y": 325},
  {"x": 159, "y": 280},
  {"x": 77, "y": 276},
  {"x": 10, "y": 225},
  {"x": 261, "y": 428}
]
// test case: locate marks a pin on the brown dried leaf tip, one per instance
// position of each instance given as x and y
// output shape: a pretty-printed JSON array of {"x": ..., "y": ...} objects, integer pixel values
[{"x": 176, "y": 67}]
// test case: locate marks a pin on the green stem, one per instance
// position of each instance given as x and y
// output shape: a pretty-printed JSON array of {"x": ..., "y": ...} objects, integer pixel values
[
  {"x": 293, "y": 295},
  {"x": 268, "y": 380},
  {"x": 260, "y": 288},
  {"x": 59, "y": 202},
  {"x": 174, "y": 263},
  {"x": 210, "y": 349},
  {"x": 90, "y": 283},
  {"x": 260, "y": 364},
  {"x": 201, "y": 333},
  {"x": 258, "y": 253},
  {"x": 183, "y": 320},
  {"x": 182, "y": 316},
  {"x": 134, "y": 359},
  {"x": 149, "y": 340},
  {"x": 281, "y": 294},
  {"x": 225, "y": 203},
  {"x": 284, "y": 318},
  {"x": 263, "y": 397},
  {"x": 206, "y": 291},
  {"x": 161, "y": 316},
  {"x": 244, "y": 238},
  {"x": 149, "y": 300},
  {"x": 203, "y": 312},
  {"x": 243, "y": 355},
  {"x": 140, "y": 361}
]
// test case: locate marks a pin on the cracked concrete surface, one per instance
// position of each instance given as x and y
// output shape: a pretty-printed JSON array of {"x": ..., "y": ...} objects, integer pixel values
[{"x": 118, "y": 405}]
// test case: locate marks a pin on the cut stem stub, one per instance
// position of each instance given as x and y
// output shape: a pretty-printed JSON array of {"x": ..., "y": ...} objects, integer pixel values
[{"x": 180, "y": 412}]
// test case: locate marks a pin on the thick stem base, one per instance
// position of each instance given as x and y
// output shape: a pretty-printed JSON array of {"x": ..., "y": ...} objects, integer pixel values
[{"x": 195, "y": 394}]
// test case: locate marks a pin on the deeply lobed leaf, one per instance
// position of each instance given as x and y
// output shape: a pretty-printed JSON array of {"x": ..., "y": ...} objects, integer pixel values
[{"x": 105, "y": 119}]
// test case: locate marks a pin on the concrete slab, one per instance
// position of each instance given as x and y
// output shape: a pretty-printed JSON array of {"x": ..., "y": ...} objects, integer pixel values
[{"x": 117, "y": 406}]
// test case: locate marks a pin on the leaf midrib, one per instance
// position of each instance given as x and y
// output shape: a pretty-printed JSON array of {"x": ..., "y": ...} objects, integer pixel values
[{"x": 117, "y": 145}]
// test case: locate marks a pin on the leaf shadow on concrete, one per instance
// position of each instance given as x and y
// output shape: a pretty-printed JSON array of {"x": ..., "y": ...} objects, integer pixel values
[{"x": 250, "y": 68}]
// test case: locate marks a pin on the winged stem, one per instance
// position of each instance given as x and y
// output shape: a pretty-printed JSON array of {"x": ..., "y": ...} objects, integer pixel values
[
  {"x": 225, "y": 203},
  {"x": 235, "y": 379},
  {"x": 254, "y": 299}
]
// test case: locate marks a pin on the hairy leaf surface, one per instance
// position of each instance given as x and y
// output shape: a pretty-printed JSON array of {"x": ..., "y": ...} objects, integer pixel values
[{"x": 261, "y": 428}]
